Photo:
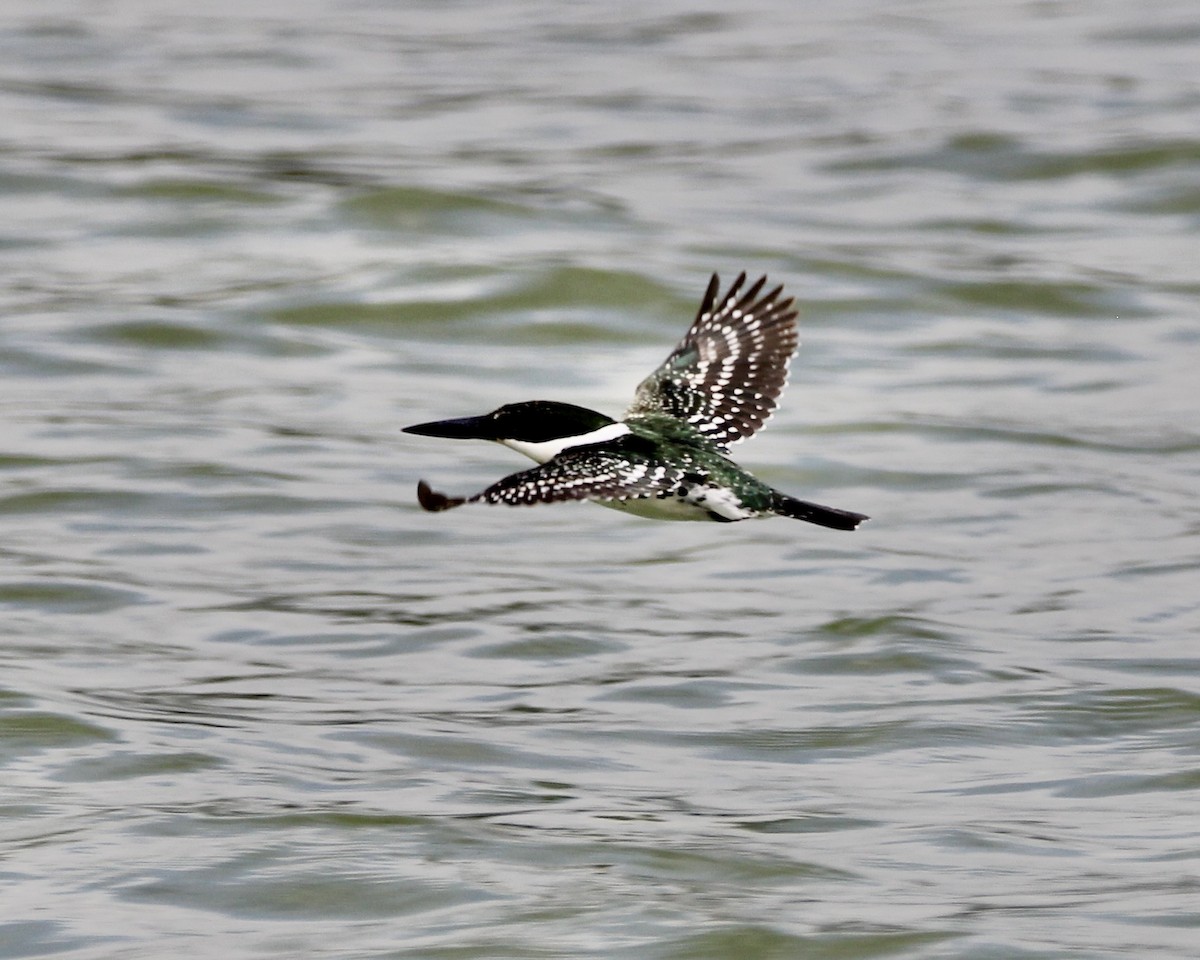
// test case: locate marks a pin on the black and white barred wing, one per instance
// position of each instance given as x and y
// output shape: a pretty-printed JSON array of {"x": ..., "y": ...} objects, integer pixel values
[
  {"x": 573, "y": 475},
  {"x": 727, "y": 373}
]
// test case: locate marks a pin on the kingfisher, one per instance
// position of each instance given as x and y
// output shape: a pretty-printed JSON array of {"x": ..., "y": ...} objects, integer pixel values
[{"x": 667, "y": 459}]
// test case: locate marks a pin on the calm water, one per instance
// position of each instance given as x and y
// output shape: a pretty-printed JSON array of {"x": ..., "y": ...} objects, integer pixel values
[{"x": 254, "y": 703}]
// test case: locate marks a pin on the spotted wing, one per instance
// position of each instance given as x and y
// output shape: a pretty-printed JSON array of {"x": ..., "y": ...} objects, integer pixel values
[
  {"x": 586, "y": 475},
  {"x": 579, "y": 474},
  {"x": 727, "y": 372}
]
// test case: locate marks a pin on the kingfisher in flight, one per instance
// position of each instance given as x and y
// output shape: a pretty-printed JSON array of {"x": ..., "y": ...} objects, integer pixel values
[{"x": 668, "y": 458}]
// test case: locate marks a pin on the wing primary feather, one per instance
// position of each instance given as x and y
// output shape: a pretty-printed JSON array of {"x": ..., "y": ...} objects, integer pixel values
[
  {"x": 750, "y": 294},
  {"x": 734, "y": 287},
  {"x": 710, "y": 297}
]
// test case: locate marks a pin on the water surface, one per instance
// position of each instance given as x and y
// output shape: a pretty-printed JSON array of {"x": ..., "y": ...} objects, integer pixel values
[{"x": 255, "y": 703}]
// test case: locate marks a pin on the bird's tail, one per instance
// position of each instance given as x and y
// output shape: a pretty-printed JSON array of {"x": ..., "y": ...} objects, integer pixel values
[{"x": 787, "y": 506}]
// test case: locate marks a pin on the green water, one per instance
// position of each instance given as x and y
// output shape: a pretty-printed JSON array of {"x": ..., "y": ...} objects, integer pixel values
[{"x": 255, "y": 703}]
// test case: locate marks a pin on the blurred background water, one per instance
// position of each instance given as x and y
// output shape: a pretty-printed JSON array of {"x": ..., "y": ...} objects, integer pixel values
[{"x": 254, "y": 703}]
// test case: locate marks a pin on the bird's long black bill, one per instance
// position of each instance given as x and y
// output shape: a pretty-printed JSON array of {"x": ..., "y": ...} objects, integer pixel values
[{"x": 464, "y": 428}]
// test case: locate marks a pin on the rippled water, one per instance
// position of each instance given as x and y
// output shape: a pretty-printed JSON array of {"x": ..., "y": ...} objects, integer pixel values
[{"x": 254, "y": 703}]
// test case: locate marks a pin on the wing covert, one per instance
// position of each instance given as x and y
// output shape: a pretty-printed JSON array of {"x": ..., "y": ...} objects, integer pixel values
[
  {"x": 585, "y": 474},
  {"x": 728, "y": 371}
]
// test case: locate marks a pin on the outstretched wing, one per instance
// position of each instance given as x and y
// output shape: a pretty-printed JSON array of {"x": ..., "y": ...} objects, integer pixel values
[
  {"x": 582, "y": 474},
  {"x": 729, "y": 369}
]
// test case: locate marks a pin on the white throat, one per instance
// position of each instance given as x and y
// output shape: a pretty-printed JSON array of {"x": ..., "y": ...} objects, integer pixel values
[{"x": 543, "y": 450}]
